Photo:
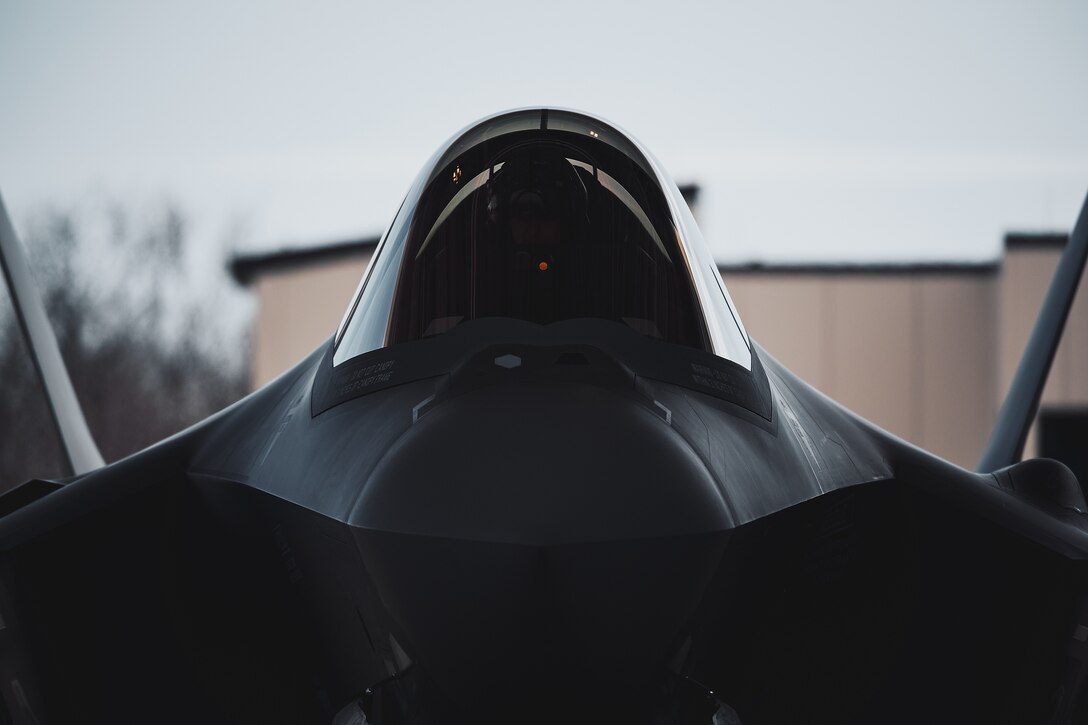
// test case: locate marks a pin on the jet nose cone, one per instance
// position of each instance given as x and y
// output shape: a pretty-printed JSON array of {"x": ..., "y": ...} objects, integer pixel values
[
  {"x": 540, "y": 545},
  {"x": 546, "y": 463}
]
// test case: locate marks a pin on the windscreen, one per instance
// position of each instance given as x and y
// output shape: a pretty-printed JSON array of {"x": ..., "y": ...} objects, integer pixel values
[{"x": 543, "y": 216}]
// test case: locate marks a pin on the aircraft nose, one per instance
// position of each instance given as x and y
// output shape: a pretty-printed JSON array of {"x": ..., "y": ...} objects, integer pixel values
[
  {"x": 545, "y": 463},
  {"x": 549, "y": 558}
]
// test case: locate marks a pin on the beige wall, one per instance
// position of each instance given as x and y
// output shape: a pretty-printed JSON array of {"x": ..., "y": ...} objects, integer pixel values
[
  {"x": 957, "y": 335},
  {"x": 297, "y": 309},
  {"x": 927, "y": 356},
  {"x": 912, "y": 353}
]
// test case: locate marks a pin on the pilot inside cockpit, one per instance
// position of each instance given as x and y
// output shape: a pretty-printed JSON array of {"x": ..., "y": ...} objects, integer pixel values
[{"x": 536, "y": 226}]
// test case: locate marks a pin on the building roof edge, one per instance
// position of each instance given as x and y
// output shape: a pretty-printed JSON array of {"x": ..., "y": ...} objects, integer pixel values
[
  {"x": 247, "y": 266},
  {"x": 863, "y": 268}
]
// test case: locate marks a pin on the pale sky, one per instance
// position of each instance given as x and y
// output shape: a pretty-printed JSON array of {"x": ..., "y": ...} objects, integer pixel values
[{"x": 827, "y": 131}]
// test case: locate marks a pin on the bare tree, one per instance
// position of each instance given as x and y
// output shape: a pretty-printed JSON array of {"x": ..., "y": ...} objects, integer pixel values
[{"x": 146, "y": 354}]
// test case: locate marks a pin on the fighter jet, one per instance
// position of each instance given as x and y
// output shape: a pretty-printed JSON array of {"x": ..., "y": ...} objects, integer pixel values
[{"x": 541, "y": 473}]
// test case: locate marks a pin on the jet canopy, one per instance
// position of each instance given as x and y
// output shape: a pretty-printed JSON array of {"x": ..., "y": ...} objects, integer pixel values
[{"x": 543, "y": 215}]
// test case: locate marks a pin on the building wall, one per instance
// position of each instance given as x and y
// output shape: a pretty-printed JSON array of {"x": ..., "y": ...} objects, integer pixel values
[
  {"x": 928, "y": 356},
  {"x": 957, "y": 334},
  {"x": 297, "y": 310},
  {"x": 912, "y": 353}
]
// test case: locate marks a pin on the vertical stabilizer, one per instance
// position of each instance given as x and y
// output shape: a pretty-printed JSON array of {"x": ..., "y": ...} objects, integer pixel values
[
  {"x": 1006, "y": 443},
  {"x": 75, "y": 436}
]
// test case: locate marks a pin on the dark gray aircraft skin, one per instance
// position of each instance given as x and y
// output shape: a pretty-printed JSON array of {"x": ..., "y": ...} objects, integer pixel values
[{"x": 494, "y": 496}]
